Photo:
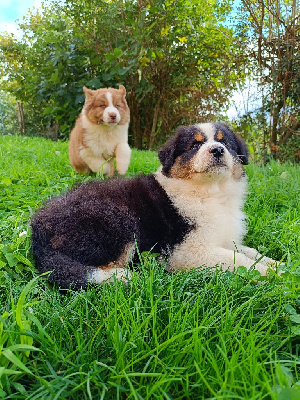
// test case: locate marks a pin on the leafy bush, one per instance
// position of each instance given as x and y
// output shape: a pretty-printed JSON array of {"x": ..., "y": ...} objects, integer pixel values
[{"x": 176, "y": 59}]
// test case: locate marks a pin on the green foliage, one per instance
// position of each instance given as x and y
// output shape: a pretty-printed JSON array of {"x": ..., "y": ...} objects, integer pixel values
[
  {"x": 254, "y": 128},
  {"x": 8, "y": 114},
  {"x": 272, "y": 29},
  {"x": 188, "y": 335},
  {"x": 275, "y": 187},
  {"x": 46, "y": 70},
  {"x": 198, "y": 334},
  {"x": 177, "y": 59},
  {"x": 15, "y": 342}
]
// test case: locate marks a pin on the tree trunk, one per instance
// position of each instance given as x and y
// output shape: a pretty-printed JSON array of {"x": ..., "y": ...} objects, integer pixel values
[
  {"x": 154, "y": 125},
  {"x": 275, "y": 115},
  {"x": 21, "y": 118}
]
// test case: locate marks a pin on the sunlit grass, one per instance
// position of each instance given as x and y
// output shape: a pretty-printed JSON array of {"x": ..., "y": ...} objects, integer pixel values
[{"x": 195, "y": 335}]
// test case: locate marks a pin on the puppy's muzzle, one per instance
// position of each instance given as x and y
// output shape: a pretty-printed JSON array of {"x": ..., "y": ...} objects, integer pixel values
[{"x": 112, "y": 116}]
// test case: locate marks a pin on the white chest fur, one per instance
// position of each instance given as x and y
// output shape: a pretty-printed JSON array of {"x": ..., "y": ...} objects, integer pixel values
[{"x": 214, "y": 207}]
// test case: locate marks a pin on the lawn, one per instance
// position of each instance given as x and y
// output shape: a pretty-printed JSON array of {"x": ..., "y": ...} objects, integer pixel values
[{"x": 191, "y": 335}]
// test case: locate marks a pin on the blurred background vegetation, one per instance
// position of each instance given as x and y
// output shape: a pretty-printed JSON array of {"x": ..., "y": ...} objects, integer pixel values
[{"x": 182, "y": 62}]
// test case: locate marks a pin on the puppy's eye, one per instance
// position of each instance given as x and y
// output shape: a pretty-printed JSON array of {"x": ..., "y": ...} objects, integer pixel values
[
  {"x": 225, "y": 143},
  {"x": 103, "y": 106},
  {"x": 117, "y": 106},
  {"x": 196, "y": 145}
]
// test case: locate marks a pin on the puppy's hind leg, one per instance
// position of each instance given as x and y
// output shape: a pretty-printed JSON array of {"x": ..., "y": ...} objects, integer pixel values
[
  {"x": 107, "y": 274},
  {"x": 96, "y": 164},
  {"x": 115, "y": 269},
  {"x": 65, "y": 272}
]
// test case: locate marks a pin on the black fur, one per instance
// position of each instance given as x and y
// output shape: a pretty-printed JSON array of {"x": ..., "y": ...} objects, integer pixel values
[
  {"x": 91, "y": 225},
  {"x": 176, "y": 146},
  {"x": 234, "y": 143}
]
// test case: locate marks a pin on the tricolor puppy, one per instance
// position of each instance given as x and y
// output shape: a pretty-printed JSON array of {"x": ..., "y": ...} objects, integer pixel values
[
  {"x": 190, "y": 211},
  {"x": 100, "y": 134}
]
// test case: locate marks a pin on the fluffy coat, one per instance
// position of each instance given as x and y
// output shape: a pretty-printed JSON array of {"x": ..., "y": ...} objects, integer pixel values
[
  {"x": 100, "y": 135},
  {"x": 189, "y": 211}
]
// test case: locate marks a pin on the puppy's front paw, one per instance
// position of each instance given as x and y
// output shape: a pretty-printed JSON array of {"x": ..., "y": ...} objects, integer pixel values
[
  {"x": 268, "y": 261},
  {"x": 122, "y": 169},
  {"x": 267, "y": 265},
  {"x": 262, "y": 268}
]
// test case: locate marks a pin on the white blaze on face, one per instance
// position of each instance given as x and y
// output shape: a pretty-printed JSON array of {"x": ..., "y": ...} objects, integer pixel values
[
  {"x": 204, "y": 158},
  {"x": 209, "y": 131},
  {"x": 111, "y": 115}
]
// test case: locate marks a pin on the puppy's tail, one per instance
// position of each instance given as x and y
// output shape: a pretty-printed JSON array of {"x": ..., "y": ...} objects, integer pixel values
[{"x": 64, "y": 271}]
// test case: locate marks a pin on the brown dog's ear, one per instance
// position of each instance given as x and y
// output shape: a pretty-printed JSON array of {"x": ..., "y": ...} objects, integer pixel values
[
  {"x": 123, "y": 90},
  {"x": 242, "y": 150},
  {"x": 169, "y": 152},
  {"x": 89, "y": 93}
]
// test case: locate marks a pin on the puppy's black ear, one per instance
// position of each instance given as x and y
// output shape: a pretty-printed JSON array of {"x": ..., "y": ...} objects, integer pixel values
[
  {"x": 166, "y": 155},
  {"x": 169, "y": 152},
  {"x": 242, "y": 150}
]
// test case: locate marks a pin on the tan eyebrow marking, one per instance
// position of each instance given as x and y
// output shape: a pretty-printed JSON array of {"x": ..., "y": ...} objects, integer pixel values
[
  {"x": 199, "y": 137},
  {"x": 220, "y": 135}
]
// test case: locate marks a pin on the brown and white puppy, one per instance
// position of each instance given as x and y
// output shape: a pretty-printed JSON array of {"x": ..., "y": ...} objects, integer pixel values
[
  {"x": 101, "y": 133},
  {"x": 190, "y": 211}
]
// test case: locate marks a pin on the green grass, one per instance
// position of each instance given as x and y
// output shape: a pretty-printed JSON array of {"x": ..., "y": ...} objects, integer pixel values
[{"x": 195, "y": 335}]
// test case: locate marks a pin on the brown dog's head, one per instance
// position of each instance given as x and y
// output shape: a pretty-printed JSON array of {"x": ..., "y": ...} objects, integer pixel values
[
  {"x": 106, "y": 106},
  {"x": 204, "y": 150}
]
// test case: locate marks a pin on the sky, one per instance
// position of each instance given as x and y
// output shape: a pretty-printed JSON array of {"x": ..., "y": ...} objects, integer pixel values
[{"x": 11, "y": 10}]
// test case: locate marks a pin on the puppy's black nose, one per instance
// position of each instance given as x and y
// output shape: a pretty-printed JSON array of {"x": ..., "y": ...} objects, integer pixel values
[{"x": 217, "y": 151}]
